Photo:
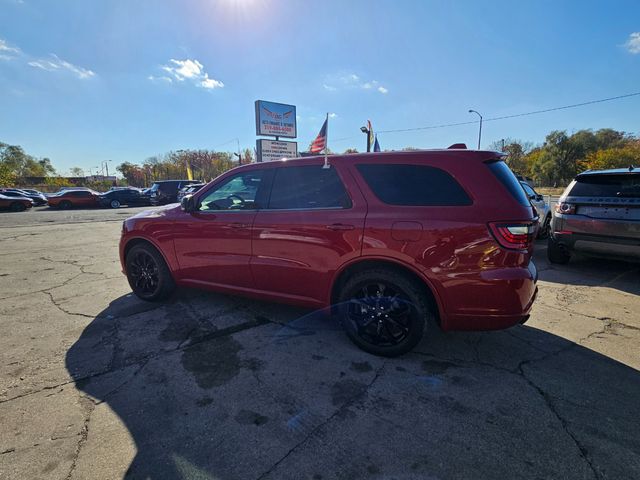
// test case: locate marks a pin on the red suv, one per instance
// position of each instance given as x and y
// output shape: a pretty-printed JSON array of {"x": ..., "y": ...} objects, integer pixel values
[{"x": 389, "y": 241}]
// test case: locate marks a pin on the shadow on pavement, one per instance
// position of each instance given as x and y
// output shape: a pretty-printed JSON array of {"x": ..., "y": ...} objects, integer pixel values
[
  {"x": 210, "y": 386},
  {"x": 589, "y": 271}
]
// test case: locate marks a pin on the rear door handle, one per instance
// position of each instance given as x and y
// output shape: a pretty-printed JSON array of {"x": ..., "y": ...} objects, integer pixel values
[
  {"x": 239, "y": 225},
  {"x": 340, "y": 226}
]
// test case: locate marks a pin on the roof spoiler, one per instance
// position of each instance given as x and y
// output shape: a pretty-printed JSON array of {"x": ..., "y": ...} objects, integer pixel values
[{"x": 457, "y": 146}]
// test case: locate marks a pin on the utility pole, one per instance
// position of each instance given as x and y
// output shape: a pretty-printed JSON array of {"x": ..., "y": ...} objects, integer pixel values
[{"x": 480, "y": 131}]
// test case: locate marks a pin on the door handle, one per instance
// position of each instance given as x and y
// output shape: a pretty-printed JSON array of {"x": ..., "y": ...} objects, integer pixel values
[
  {"x": 239, "y": 225},
  {"x": 340, "y": 226}
]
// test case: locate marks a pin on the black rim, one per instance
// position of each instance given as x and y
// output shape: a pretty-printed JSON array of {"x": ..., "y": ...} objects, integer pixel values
[
  {"x": 144, "y": 273},
  {"x": 381, "y": 314}
]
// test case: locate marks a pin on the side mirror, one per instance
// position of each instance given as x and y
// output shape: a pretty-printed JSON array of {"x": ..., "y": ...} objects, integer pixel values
[
  {"x": 187, "y": 203},
  {"x": 539, "y": 198}
]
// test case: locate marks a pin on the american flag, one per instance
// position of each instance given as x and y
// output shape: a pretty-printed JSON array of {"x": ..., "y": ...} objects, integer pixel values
[{"x": 320, "y": 143}]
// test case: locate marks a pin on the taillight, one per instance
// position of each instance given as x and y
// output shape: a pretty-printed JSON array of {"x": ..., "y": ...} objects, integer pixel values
[
  {"x": 515, "y": 236},
  {"x": 565, "y": 208}
]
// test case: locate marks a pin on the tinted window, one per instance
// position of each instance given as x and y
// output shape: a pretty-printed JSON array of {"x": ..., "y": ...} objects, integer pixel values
[
  {"x": 528, "y": 190},
  {"x": 236, "y": 193},
  {"x": 307, "y": 188},
  {"x": 416, "y": 185},
  {"x": 80, "y": 193},
  {"x": 625, "y": 185},
  {"x": 502, "y": 171}
]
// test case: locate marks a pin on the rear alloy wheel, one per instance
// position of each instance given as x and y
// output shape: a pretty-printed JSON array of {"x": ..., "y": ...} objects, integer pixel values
[
  {"x": 148, "y": 274},
  {"x": 384, "y": 312},
  {"x": 65, "y": 205},
  {"x": 115, "y": 204},
  {"x": 544, "y": 229},
  {"x": 556, "y": 252},
  {"x": 17, "y": 207}
]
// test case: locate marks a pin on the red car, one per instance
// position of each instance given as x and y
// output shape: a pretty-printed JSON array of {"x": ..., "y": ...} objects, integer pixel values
[
  {"x": 74, "y": 198},
  {"x": 387, "y": 240},
  {"x": 15, "y": 204}
]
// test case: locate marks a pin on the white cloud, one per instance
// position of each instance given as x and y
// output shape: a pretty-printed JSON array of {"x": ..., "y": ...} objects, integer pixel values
[
  {"x": 160, "y": 79},
  {"x": 210, "y": 83},
  {"x": 55, "y": 63},
  {"x": 7, "y": 52},
  {"x": 633, "y": 44},
  {"x": 333, "y": 115},
  {"x": 352, "y": 80},
  {"x": 192, "y": 70}
]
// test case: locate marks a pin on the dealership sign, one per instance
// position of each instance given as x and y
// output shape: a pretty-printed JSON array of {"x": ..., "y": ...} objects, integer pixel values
[
  {"x": 275, "y": 119},
  {"x": 269, "y": 150}
]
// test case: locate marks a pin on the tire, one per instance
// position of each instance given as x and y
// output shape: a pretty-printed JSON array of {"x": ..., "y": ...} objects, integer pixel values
[
  {"x": 157, "y": 284},
  {"x": 65, "y": 205},
  {"x": 544, "y": 229},
  {"x": 17, "y": 207},
  {"x": 556, "y": 252},
  {"x": 366, "y": 316},
  {"x": 115, "y": 204}
]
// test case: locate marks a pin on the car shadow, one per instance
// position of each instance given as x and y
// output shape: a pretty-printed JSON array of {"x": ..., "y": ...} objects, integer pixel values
[
  {"x": 212, "y": 386},
  {"x": 589, "y": 271}
]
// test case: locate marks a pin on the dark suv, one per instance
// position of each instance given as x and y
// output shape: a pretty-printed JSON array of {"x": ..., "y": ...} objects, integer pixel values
[
  {"x": 598, "y": 214},
  {"x": 387, "y": 241},
  {"x": 166, "y": 191}
]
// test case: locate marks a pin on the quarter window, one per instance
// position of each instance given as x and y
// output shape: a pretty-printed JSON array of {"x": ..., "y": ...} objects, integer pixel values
[
  {"x": 308, "y": 187},
  {"x": 236, "y": 193},
  {"x": 413, "y": 185}
]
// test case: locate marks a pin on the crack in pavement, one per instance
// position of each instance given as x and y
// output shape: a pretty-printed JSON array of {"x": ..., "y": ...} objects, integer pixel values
[
  {"x": 565, "y": 425},
  {"x": 84, "y": 433},
  {"x": 339, "y": 410}
]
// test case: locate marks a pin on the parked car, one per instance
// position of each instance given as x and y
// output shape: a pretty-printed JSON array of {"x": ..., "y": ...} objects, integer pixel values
[
  {"x": 75, "y": 198},
  {"x": 38, "y": 199},
  {"x": 542, "y": 208},
  {"x": 15, "y": 204},
  {"x": 189, "y": 190},
  {"x": 124, "y": 196},
  {"x": 387, "y": 240},
  {"x": 166, "y": 191},
  {"x": 598, "y": 214}
]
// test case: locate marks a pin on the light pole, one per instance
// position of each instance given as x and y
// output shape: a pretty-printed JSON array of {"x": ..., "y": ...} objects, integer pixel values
[
  {"x": 105, "y": 164},
  {"x": 480, "y": 131},
  {"x": 366, "y": 131}
]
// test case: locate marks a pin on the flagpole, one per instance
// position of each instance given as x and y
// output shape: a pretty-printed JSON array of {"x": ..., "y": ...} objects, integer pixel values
[{"x": 326, "y": 142}]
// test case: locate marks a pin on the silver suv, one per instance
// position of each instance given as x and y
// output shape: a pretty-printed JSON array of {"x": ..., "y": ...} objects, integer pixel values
[
  {"x": 544, "y": 212},
  {"x": 598, "y": 214}
]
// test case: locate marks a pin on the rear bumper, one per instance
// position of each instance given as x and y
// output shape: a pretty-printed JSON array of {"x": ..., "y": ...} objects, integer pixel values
[
  {"x": 504, "y": 299},
  {"x": 597, "y": 236}
]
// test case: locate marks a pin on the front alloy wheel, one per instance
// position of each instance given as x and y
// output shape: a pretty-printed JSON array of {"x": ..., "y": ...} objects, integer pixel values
[
  {"x": 115, "y": 204},
  {"x": 148, "y": 274}
]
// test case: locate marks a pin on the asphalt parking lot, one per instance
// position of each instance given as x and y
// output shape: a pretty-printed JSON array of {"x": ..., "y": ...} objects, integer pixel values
[{"x": 97, "y": 384}]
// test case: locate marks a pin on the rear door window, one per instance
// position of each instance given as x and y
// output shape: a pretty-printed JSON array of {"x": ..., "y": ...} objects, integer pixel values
[
  {"x": 610, "y": 185},
  {"x": 413, "y": 185},
  {"x": 307, "y": 187}
]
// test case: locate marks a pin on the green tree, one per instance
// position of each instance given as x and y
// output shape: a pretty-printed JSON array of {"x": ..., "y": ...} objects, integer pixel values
[{"x": 616, "y": 157}]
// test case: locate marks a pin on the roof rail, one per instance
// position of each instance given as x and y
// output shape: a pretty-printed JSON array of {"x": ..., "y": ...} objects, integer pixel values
[{"x": 457, "y": 146}]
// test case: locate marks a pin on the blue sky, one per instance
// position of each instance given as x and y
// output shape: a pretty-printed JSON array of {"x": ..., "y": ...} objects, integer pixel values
[{"x": 86, "y": 81}]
